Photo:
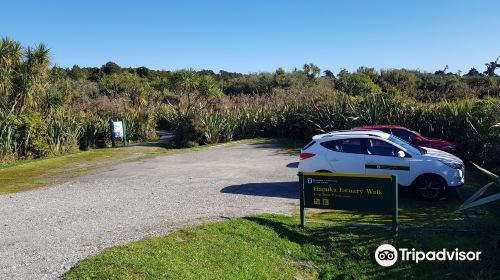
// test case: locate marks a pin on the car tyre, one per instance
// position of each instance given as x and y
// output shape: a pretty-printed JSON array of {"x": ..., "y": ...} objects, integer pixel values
[{"x": 429, "y": 187}]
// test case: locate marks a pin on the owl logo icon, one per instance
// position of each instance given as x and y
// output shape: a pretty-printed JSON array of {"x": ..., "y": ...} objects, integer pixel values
[{"x": 386, "y": 255}]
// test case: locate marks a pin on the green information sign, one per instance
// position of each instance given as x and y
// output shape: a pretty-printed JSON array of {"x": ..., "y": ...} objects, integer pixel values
[{"x": 358, "y": 192}]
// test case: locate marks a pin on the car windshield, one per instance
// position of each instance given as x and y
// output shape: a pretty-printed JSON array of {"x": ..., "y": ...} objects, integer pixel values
[{"x": 409, "y": 147}]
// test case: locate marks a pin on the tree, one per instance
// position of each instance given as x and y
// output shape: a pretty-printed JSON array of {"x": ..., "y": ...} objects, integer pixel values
[
  {"x": 23, "y": 74},
  {"x": 110, "y": 68},
  {"x": 143, "y": 72},
  {"x": 441, "y": 72},
  {"x": 358, "y": 83},
  {"x": 208, "y": 87},
  {"x": 10, "y": 61},
  {"x": 279, "y": 77},
  {"x": 329, "y": 74},
  {"x": 77, "y": 73},
  {"x": 312, "y": 71},
  {"x": 491, "y": 67},
  {"x": 473, "y": 72},
  {"x": 204, "y": 72},
  {"x": 183, "y": 83}
]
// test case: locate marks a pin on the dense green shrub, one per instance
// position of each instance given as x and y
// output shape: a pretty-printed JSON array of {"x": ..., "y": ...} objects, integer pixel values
[
  {"x": 31, "y": 136},
  {"x": 356, "y": 83},
  {"x": 94, "y": 132},
  {"x": 189, "y": 130},
  {"x": 63, "y": 132}
]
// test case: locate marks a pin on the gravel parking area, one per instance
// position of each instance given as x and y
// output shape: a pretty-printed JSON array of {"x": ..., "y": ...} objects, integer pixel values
[{"x": 46, "y": 231}]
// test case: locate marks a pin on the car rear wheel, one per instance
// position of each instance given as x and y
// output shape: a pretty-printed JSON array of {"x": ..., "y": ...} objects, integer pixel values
[{"x": 429, "y": 187}]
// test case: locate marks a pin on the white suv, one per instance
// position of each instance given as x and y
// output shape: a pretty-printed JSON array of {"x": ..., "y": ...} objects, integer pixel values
[{"x": 428, "y": 171}]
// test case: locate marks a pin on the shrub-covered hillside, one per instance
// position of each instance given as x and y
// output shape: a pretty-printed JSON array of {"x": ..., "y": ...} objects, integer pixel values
[{"x": 51, "y": 110}]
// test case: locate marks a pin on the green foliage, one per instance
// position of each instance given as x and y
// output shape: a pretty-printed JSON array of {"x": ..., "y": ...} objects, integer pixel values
[
  {"x": 208, "y": 87},
  {"x": 189, "y": 130},
  {"x": 207, "y": 107},
  {"x": 94, "y": 132},
  {"x": 356, "y": 83},
  {"x": 312, "y": 71},
  {"x": 63, "y": 131},
  {"x": 111, "y": 68},
  {"x": 303, "y": 115},
  {"x": 478, "y": 198},
  {"x": 31, "y": 136},
  {"x": 140, "y": 125},
  {"x": 236, "y": 249}
]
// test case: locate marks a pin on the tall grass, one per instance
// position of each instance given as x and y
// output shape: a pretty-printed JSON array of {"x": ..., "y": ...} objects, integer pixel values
[
  {"x": 63, "y": 131},
  {"x": 301, "y": 115}
]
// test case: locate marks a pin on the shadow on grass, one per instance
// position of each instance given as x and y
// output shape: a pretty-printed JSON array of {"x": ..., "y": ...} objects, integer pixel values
[
  {"x": 333, "y": 248},
  {"x": 340, "y": 252}
]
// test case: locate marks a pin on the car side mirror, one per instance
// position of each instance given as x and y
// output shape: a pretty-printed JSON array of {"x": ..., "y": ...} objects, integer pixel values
[{"x": 401, "y": 154}]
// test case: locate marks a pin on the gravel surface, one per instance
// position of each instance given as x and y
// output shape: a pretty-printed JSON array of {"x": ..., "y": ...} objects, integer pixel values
[{"x": 46, "y": 231}]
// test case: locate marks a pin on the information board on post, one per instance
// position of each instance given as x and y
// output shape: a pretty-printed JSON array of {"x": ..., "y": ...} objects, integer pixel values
[
  {"x": 118, "y": 130},
  {"x": 357, "y": 192}
]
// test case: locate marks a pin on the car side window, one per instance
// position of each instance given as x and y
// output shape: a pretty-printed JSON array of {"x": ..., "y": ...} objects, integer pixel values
[
  {"x": 351, "y": 146},
  {"x": 380, "y": 148},
  {"x": 403, "y": 135}
]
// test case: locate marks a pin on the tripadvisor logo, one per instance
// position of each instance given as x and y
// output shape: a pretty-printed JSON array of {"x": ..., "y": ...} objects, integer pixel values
[{"x": 386, "y": 255}]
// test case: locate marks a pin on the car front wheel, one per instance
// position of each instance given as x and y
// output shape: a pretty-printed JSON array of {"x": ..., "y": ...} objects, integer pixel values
[{"x": 429, "y": 187}]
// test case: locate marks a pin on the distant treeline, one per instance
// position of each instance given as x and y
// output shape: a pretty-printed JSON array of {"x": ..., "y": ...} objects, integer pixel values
[
  {"x": 51, "y": 110},
  {"x": 423, "y": 86}
]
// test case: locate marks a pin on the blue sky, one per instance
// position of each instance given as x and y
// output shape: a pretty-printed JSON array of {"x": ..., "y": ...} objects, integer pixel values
[{"x": 260, "y": 35}]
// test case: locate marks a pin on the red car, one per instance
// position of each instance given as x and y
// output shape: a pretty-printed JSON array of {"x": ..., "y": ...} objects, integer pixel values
[{"x": 414, "y": 138}]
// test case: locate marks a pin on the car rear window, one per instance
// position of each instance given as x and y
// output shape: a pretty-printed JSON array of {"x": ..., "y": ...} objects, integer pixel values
[
  {"x": 309, "y": 145},
  {"x": 352, "y": 146}
]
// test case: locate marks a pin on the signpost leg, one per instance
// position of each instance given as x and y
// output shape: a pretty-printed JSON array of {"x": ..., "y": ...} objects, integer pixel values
[
  {"x": 302, "y": 202},
  {"x": 125, "y": 143},
  {"x": 395, "y": 207},
  {"x": 113, "y": 144}
]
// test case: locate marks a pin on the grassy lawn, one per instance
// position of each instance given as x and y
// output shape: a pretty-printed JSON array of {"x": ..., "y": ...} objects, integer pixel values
[{"x": 275, "y": 247}]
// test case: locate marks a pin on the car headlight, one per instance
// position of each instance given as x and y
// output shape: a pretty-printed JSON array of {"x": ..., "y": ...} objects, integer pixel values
[{"x": 451, "y": 164}]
